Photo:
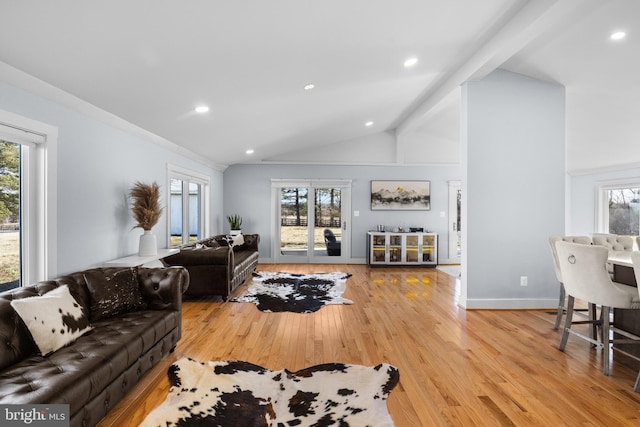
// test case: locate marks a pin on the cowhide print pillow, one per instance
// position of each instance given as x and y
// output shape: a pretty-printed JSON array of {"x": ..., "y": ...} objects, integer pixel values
[
  {"x": 54, "y": 319},
  {"x": 113, "y": 293},
  {"x": 238, "y": 240}
]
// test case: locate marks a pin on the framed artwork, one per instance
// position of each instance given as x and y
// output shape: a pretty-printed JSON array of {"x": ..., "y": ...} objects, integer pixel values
[{"x": 401, "y": 195}]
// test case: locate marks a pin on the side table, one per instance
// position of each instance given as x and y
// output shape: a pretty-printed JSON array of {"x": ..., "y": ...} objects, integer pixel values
[{"x": 136, "y": 260}]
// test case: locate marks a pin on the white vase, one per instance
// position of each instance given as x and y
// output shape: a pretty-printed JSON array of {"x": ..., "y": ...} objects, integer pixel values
[
  {"x": 235, "y": 232},
  {"x": 148, "y": 245}
]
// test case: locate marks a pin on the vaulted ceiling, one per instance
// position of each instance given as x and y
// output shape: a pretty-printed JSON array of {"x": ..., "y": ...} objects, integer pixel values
[{"x": 152, "y": 62}]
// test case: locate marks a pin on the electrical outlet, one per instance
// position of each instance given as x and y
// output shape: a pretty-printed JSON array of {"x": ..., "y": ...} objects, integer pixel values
[{"x": 523, "y": 280}]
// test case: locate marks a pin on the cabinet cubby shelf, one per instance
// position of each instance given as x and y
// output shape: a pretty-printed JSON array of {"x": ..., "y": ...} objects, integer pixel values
[{"x": 403, "y": 249}]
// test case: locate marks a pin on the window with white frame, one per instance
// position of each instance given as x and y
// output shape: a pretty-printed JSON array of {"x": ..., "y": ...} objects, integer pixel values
[
  {"x": 27, "y": 200},
  {"x": 188, "y": 206},
  {"x": 618, "y": 209}
]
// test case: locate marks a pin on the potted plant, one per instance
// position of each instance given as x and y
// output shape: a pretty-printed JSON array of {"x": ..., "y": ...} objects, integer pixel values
[
  {"x": 146, "y": 211},
  {"x": 235, "y": 224}
]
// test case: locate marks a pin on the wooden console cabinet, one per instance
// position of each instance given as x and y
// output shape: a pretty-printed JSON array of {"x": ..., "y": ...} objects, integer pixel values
[{"x": 391, "y": 248}]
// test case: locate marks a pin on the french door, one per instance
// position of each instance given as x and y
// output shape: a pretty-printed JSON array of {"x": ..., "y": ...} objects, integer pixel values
[
  {"x": 188, "y": 207},
  {"x": 455, "y": 197},
  {"x": 311, "y": 221}
]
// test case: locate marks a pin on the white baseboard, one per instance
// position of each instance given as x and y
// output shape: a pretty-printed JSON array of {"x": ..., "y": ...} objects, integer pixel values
[{"x": 511, "y": 304}]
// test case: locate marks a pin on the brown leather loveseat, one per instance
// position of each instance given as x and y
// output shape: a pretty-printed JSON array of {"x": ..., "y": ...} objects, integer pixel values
[
  {"x": 215, "y": 268},
  {"x": 126, "y": 337}
]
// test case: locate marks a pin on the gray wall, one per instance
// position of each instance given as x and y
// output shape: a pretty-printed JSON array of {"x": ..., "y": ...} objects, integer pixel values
[
  {"x": 247, "y": 191},
  {"x": 97, "y": 164},
  {"x": 513, "y": 190}
]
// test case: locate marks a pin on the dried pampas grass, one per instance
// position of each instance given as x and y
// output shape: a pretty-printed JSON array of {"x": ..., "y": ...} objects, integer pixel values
[{"x": 146, "y": 207}]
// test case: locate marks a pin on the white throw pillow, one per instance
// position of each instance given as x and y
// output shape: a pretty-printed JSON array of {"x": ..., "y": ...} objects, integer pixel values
[
  {"x": 54, "y": 319},
  {"x": 237, "y": 240}
]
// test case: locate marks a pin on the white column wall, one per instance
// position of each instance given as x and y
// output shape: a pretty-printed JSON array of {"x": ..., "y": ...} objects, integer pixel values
[{"x": 513, "y": 162}]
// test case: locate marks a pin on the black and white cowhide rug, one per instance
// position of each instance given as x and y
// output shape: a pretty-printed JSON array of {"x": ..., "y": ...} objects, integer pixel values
[
  {"x": 234, "y": 393},
  {"x": 299, "y": 293}
]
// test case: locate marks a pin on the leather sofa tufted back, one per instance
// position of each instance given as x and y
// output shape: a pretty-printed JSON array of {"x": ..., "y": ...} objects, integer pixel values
[{"x": 15, "y": 340}]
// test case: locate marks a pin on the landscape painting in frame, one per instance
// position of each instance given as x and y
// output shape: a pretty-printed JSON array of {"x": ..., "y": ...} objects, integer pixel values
[{"x": 401, "y": 195}]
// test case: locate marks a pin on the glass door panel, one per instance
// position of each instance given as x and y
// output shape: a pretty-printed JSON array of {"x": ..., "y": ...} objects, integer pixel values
[
  {"x": 294, "y": 221},
  {"x": 455, "y": 205},
  {"x": 428, "y": 245},
  {"x": 312, "y": 221},
  {"x": 195, "y": 222},
  {"x": 379, "y": 249},
  {"x": 412, "y": 248},
  {"x": 187, "y": 207},
  {"x": 176, "y": 212},
  {"x": 327, "y": 223},
  {"x": 395, "y": 248}
]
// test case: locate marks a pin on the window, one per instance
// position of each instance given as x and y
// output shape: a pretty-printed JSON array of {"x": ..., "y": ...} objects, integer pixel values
[
  {"x": 27, "y": 200},
  {"x": 187, "y": 206},
  {"x": 619, "y": 208},
  {"x": 10, "y": 265}
]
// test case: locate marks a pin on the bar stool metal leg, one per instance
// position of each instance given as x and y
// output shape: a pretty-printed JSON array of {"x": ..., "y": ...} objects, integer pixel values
[
  {"x": 560, "y": 307},
  {"x": 606, "y": 341}
]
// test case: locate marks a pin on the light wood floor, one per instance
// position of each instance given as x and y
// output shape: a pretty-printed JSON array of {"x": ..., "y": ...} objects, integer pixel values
[{"x": 457, "y": 367}]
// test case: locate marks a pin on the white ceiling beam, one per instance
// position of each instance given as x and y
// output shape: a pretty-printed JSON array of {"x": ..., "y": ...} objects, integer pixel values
[{"x": 533, "y": 19}]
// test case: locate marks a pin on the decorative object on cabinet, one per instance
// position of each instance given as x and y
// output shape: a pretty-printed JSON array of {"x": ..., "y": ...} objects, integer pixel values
[
  {"x": 146, "y": 211},
  {"x": 396, "y": 248},
  {"x": 401, "y": 195}
]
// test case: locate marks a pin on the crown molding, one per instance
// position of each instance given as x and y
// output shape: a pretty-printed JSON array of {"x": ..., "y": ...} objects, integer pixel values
[{"x": 31, "y": 84}]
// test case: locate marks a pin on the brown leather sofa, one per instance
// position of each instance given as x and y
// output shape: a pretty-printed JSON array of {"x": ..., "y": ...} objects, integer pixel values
[
  {"x": 214, "y": 267},
  {"x": 95, "y": 371}
]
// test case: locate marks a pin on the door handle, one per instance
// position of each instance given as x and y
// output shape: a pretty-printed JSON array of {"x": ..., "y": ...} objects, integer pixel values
[{"x": 344, "y": 225}]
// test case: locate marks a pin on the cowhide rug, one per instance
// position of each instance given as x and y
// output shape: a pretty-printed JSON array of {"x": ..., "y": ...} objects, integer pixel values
[
  {"x": 299, "y": 293},
  {"x": 234, "y": 393}
]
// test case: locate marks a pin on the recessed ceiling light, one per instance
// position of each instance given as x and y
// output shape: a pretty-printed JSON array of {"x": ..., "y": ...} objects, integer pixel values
[
  {"x": 202, "y": 109},
  {"x": 410, "y": 62},
  {"x": 618, "y": 35},
  {"x": 369, "y": 123},
  {"x": 249, "y": 151},
  {"x": 309, "y": 86}
]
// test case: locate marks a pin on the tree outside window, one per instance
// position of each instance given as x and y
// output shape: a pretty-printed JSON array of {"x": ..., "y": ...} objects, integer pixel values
[
  {"x": 624, "y": 211},
  {"x": 9, "y": 215}
]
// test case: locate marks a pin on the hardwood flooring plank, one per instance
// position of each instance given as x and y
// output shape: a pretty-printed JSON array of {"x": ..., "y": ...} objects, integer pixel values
[{"x": 457, "y": 367}]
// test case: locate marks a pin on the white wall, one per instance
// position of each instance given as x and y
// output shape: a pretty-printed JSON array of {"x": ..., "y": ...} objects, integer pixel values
[
  {"x": 582, "y": 202},
  {"x": 247, "y": 191},
  {"x": 97, "y": 164},
  {"x": 513, "y": 190},
  {"x": 376, "y": 148}
]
